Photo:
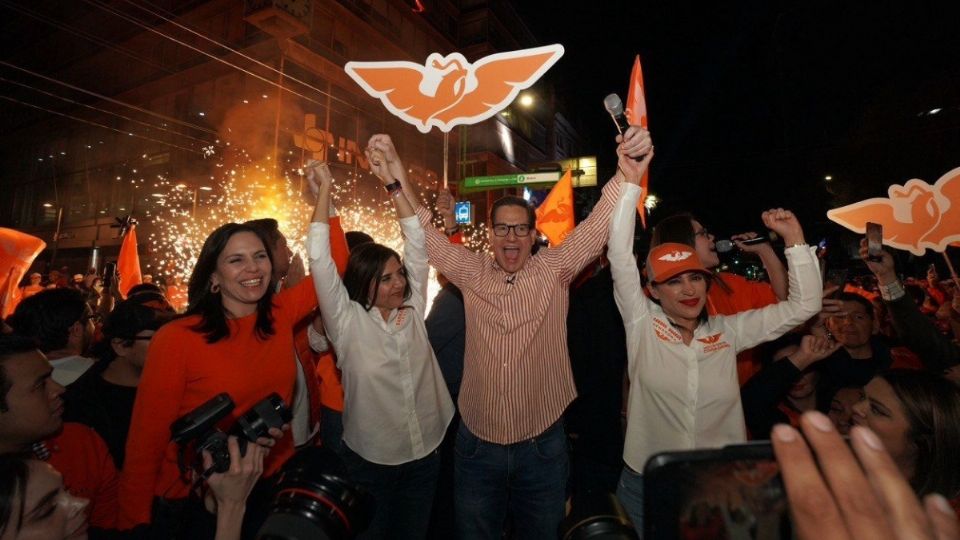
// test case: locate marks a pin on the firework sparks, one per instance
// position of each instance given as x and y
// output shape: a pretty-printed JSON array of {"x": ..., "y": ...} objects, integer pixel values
[{"x": 243, "y": 189}]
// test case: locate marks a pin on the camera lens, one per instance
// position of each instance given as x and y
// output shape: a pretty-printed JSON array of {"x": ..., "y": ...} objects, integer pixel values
[
  {"x": 269, "y": 412},
  {"x": 597, "y": 516},
  {"x": 314, "y": 499}
]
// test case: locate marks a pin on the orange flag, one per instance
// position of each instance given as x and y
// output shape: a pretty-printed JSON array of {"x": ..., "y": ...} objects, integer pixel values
[
  {"x": 17, "y": 252},
  {"x": 555, "y": 214},
  {"x": 637, "y": 115},
  {"x": 128, "y": 263}
]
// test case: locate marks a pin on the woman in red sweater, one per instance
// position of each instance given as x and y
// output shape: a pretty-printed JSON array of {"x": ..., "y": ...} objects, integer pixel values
[{"x": 236, "y": 337}]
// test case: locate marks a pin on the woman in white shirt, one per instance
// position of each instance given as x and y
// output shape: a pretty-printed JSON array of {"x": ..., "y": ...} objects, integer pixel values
[
  {"x": 681, "y": 363},
  {"x": 396, "y": 405}
]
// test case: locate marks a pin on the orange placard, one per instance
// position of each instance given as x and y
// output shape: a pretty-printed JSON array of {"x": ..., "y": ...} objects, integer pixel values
[
  {"x": 447, "y": 91},
  {"x": 915, "y": 216}
]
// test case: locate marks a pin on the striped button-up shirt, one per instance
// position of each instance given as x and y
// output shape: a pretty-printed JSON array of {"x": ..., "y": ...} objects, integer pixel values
[{"x": 516, "y": 375}]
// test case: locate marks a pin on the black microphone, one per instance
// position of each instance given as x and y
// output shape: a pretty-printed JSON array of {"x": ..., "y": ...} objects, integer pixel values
[
  {"x": 614, "y": 106},
  {"x": 723, "y": 246}
]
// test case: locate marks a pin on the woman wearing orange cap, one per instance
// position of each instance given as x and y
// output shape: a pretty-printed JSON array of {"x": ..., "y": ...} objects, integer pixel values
[{"x": 684, "y": 392}]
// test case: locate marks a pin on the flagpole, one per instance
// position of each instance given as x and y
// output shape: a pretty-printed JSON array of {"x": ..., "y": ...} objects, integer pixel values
[
  {"x": 953, "y": 271},
  {"x": 446, "y": 157}
]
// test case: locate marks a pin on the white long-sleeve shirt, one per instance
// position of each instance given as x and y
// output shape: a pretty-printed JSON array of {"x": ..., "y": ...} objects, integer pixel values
[
  {"x": 396, "y": 406},
  {"x": 687, "y": 396}
]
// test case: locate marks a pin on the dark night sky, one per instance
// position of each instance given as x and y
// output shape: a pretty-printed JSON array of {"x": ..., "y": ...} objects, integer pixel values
[{"x": 751, "y": 104}]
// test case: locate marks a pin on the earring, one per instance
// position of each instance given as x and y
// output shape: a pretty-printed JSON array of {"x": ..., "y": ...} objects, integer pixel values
[{"x": 214, "y": 288}]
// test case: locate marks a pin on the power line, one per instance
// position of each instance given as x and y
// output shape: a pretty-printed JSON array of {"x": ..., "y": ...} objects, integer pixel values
[
  {"x": 109, "y": 99},
  {"x": 84, "y": 35},
  {"x": 205, "y": 53},
  {"x": 118, "y": 115},
  {"x": 239, "y": 53},
  {"x": 129, "y": 133}
]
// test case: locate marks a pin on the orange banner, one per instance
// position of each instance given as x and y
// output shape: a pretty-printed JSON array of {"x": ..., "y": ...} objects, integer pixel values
[
  {"x": 17, "y": 252},
  {"x": 128, "y": 263},
  {"x": 637, "y": 115},
  {"x": 555, "y": 213}
]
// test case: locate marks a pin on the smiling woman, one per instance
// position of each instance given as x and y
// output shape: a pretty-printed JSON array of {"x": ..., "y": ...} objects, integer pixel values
[
  {"x": 236, "y": 337},
  {"x": 396, "y": 406},
  {"x": 684, "y": 392}
]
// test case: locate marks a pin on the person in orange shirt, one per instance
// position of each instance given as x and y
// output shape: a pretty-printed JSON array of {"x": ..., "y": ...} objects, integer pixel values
[
  {"x": 236, "y": 337},
  {"x": 730, "y": 293},
  {"x": 34, "y": 287}
]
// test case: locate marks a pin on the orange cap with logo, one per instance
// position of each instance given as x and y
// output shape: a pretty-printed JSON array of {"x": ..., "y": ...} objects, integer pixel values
[{"x": 671, "y": 259}]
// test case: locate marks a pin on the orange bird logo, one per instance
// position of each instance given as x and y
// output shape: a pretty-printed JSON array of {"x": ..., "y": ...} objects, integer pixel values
[
  {"x": 448, "y": 91},
  {"x": 915, "y": 216},
  {"x": 710, "y": 339}
]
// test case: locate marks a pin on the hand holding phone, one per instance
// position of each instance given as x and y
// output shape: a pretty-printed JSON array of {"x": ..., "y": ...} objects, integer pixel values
[{"x": 874, "y": 242}]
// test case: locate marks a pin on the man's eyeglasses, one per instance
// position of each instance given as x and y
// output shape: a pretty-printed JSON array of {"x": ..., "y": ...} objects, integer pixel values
[{"x": 520, "y": 229}]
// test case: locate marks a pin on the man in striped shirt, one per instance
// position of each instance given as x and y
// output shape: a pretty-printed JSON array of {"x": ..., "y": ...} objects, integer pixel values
[{"x": 511, "y": 456}]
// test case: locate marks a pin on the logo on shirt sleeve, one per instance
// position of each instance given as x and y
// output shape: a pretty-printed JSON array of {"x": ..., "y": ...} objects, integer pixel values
[{"x": 666, "y": 332}]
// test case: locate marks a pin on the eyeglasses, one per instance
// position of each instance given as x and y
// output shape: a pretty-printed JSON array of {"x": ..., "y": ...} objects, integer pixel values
[
  {"x": 520, "y": 229},
  {"x": 702, "y": 232},
  {"x": 95, "y": 318}
]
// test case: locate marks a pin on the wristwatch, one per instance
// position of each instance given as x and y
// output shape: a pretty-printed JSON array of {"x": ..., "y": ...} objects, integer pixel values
[{"x": 395, "y": 186}]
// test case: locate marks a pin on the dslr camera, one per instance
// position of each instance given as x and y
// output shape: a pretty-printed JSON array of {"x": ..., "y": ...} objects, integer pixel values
[{"x": 197, "y": 430}]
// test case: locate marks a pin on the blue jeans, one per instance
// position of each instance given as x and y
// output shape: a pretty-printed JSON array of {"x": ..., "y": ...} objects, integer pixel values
[
  {"x": 526, "y": 481},
  {"x": 630, "y": 493},
  {"x": 404, "y": 494}
]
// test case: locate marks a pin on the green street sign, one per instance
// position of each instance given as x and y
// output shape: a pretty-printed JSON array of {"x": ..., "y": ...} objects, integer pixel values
[{"x": 506, "y": 180}]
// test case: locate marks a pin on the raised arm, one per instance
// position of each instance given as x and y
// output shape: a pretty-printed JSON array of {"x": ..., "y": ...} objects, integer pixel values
[
  {"x": 804, "y": 289},
  {"x": 771, "y": 262},
  {"x": 585, "y": 242},
  {"x": 627, "y": 289},
  {"x": 386, "y": 165},
  {"x": 331, "y": 293},
  {"x": 914, "y": 328}
]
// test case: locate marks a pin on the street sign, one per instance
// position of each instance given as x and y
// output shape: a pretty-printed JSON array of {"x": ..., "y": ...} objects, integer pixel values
[{"x": 506, "y": 180}]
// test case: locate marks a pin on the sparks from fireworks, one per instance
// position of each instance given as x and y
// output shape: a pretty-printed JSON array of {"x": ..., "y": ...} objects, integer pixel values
[{"x": 243, "y": 188}]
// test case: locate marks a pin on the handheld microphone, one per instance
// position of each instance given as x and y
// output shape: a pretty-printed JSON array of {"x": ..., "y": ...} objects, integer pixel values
[
  {"x": 723, "y": 246},
  {"x": 614, "y": 106}
]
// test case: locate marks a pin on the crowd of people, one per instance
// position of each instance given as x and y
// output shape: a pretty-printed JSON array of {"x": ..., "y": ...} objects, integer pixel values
[{"x": 464, "y": 421}]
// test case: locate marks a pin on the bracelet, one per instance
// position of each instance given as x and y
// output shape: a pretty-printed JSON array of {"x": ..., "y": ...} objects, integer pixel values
[
  {"x": 804, "y": 244},
  {"x": 892, "y": 291},
  {"x": 393, "y": 187}
]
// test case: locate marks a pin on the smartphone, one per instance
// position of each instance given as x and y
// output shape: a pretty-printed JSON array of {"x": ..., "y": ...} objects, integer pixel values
[
  {"x": 717, "y": 493},
  {"x": 109, "y": 270},
  {"x": 463, "y": 212},
  {"x": 874, "y": 241}
]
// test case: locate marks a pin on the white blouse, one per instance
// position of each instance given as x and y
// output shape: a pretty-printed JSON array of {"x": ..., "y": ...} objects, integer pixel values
[
  {"x": 396, "y": 406},
  {"x": 682, "y": 396}
]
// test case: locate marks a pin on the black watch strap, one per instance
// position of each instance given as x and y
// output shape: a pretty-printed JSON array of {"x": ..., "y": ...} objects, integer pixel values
[{"x": 393, "y": 187}]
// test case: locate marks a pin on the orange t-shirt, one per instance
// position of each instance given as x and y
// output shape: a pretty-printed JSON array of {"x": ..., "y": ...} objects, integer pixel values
[
  {"x": 183, "y": 371},
  {"x": 88, "y": 471},
  {"x": 743, "y": 295}
]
